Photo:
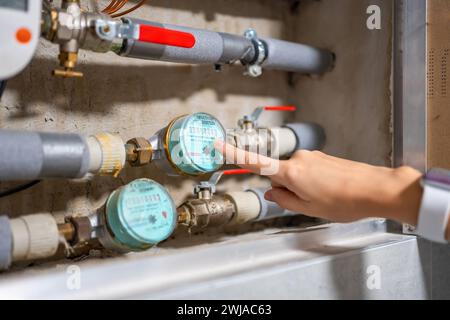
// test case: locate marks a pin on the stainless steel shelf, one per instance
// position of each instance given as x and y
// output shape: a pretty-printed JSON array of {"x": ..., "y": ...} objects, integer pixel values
[{"x": 326, "y": 262}]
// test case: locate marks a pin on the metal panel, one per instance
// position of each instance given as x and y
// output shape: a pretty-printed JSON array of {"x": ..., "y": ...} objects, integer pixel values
[{"x": 410, "y": 83}]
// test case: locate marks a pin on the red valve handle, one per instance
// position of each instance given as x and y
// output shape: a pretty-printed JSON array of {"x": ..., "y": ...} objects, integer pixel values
[
  {"x": 280, "y": 108},
  {"x": 235, "y": 172},
  {"x": 158, "y": 35}
]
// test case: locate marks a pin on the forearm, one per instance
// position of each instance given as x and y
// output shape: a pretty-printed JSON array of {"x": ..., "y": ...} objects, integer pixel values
[{"x": 447, "y": 233}]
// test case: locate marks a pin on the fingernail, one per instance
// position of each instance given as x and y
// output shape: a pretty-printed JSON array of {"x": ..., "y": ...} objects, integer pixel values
[{"x": 268, "y": 196}]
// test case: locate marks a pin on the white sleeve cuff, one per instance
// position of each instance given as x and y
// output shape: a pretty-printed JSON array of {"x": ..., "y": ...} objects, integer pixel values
[{"x": 434, "y": 214}]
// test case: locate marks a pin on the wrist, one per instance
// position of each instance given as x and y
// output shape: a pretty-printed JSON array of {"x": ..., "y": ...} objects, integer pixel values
[{"x": 401, "y": 195}]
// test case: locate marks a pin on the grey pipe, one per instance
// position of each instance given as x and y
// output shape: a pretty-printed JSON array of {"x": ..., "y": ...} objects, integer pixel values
[
  {"x": 270, "y": 210},
  {"x": 34, "y": 155},
  {"x": 310, "y": 136},
  {"x": 222, "y": 48},
  {"x": 296, "y": 57},
  {"x": 210, "y": 47},
  {"x": 5, "y": 243}
]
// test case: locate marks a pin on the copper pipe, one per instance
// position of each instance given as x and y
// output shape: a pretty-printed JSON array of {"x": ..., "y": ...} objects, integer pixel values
[
  {"x": 140, "y": 4},
  {"x": 118, "y": 3},
  {"x": 109, "y": 6},
  {"x": 117, "y": 8}
]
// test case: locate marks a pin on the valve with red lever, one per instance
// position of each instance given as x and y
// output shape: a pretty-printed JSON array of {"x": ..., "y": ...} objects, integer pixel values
[
  {"x": 277, "y": 142},
  {"x": 110, "y": 30},
  {"x": 272, "y": 142},
  {"x": 252, "y": 120}
]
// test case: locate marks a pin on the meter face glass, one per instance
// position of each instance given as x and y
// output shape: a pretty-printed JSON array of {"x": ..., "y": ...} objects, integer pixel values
[
  {"x": 142, "y": 213},
  {"x": 21, "y": 5},
  {"x": 192, "y": 143}
]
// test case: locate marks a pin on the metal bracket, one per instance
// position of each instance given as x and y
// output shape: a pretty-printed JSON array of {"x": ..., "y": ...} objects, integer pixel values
[{"x": 255, "y": 69}]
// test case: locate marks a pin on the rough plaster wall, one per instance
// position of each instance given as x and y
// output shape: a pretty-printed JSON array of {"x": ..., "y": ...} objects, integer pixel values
[
  {"x": 137, "y": 98},
  {"x": 353, "y": 102}
]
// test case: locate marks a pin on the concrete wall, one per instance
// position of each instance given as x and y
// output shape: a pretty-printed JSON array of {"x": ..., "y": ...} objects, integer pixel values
[
  {"x": 137, "y": 98},
  {"x": 353, "y": 102}
]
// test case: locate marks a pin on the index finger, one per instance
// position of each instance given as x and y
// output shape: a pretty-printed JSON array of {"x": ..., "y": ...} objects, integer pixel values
[{"x": 254, "y": 162}]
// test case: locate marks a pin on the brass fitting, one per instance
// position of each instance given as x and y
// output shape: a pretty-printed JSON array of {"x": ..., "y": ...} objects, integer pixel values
[
  {"x": 73, "y": 29},
  {"x": 77, "y": 231},
  {"x": 83, "y": 229},
  {"x": 49, "y": 24},
  {"x": 139, "y": 152},
  {"x": 184, "y": 216},
  {"x": 197, "y": 214},
  {"x": 67, "y": 230},
  {"x": 68, "y": 60}
]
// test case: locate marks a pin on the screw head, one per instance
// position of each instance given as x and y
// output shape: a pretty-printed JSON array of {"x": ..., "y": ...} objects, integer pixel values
[
  {"x": 250, "y": 34},
  {"x": 105, "y": 29}
]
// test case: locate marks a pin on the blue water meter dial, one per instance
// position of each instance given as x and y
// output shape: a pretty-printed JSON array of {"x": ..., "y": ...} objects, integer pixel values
[
  {"x": 141, "y": 214},
  {"x": 189, "y": 142}
]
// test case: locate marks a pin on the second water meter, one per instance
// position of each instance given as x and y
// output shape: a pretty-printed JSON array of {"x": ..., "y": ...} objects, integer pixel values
[{"x": 138, "y": 216}]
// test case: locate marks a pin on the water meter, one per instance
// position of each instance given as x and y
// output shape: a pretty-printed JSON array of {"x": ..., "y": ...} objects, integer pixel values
[
  {"x": 19, "y": 34},
  {"x": 138, "y": 216},
  {"x": 186, "y": 145}
]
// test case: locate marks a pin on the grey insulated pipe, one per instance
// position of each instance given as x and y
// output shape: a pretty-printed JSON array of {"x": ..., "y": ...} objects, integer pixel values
[
  {"x": 223, "y": 48},
  {"x": 37, "y": 155},
  {"x": 34, "y": 155},
  {"x": 309, "y": 136},
  {"x": 296, "y": 57},
  {"x": 6, "y": 243}
]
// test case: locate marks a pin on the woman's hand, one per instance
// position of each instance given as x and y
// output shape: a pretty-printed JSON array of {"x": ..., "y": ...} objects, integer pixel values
[{"x": 319, "y": 185}]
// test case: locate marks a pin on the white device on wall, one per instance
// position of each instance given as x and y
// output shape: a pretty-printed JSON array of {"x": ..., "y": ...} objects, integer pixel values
[{"x": 19, "y": 34}]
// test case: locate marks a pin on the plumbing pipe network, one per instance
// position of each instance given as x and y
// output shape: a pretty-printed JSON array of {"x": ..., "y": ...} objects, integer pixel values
[{"x": 73, "y": 29}]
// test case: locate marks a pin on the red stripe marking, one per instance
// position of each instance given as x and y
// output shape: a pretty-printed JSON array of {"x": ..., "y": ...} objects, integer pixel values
[
  {"x": 280, "y": 108},
  {"x": 236, "y": 171},
  {"x": 167, "y": 37}
]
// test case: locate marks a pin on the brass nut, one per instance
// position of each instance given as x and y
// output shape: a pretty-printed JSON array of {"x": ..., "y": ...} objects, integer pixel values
[
  {"x": 67, "y": 60},
  {"x": 83, "y": 228},
  {"x": 140, "y": 153}
]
